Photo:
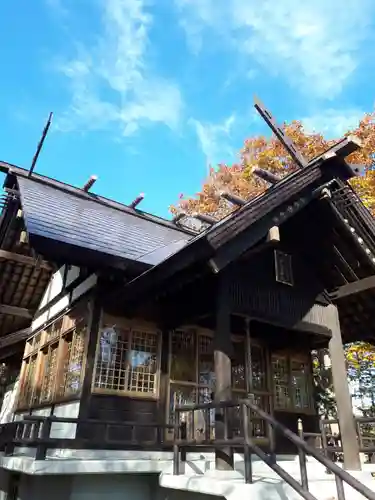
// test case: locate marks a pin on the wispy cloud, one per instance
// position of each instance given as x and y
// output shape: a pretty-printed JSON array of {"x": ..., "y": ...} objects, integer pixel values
[
  {"x": 214, "y": 138},
  {"x": 333, "y": 123},
  {"x": 314, "y": 44},
  {"x": 111, "y": 82},
  {"x": 57, "y": 6}
]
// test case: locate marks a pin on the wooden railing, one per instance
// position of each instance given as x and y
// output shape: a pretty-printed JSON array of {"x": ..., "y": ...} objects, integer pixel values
[
  {"x": 35, "y": 432},
  {"x": 248, "y": 444},
  {"x": 330, "y": 443}
]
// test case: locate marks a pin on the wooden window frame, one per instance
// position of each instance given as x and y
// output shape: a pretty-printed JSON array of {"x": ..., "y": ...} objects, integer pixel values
[
  {"x": 37, "y": 345},
  {"x": 197, "y": 386},
  {"x": 291, "y": 357},
  {"x": 131, "y": 325},
  {"x": 209, "y": 333}
]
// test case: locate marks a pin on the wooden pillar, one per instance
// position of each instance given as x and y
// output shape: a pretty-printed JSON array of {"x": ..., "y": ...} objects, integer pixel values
[
  {"x": 343, "y": 400},
  {"x": 223, "y": 374},
  {"x": 88, "y": 368},
  {"x": 164, "y": 381}
]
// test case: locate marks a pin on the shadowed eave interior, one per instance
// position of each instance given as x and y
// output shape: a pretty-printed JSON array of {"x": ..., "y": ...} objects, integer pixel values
[{"x": 24, "y": 275}]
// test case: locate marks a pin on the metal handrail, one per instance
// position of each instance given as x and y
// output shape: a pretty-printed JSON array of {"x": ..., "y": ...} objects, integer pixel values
[{"x": 248, "y": 444}]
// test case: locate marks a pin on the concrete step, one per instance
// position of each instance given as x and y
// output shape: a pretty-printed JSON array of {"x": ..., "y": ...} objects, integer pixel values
[{"x": 267, "y": 485}]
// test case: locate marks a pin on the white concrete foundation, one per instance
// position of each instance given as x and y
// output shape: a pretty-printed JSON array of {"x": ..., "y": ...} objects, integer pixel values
[
  {"x": 149, "y": 476},
  {"x": 267, "y": 485}
]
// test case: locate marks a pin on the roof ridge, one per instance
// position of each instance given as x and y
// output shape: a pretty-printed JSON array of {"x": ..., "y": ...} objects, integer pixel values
[{"x": 78, "y": 192}]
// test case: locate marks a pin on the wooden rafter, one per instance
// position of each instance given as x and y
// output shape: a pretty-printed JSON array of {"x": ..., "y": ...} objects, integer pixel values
[
  {"x": 25, "y": 259},
  {"x": 13, "y": 338},
  {"x": 16, "y": 311},
  {"x": 353, "y": 288}
]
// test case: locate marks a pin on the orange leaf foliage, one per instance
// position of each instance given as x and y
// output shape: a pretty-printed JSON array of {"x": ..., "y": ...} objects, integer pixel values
[
  {"x": 269, "y": 154},
  {"x": 360, "y": 354}
]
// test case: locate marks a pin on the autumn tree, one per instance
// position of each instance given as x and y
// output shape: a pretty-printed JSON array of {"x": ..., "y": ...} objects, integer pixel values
[
  {"x": 323, "y": 385},
  {"x": 269, "y": 154},
  {"x": 360, "y": 358}
]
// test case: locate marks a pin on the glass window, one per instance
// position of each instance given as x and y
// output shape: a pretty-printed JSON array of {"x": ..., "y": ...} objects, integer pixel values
[
  {"x": 301, "y": 384},
  {"x": 127, "y": 360},
  {"x": 259, "y": 368},
  {"x": 206, "y": 367},
  {"x": 239, "y": 365},
  {"x": 27, "y": 384},
  {"x": 49, "y": 373},
  {"x": 194, "y": 352},
  {"x": 281, "y": 382},
  {"x": 292, "y": 383},
  {"x": 183, "y": 356},
  {"x": 74, "y": 346}
]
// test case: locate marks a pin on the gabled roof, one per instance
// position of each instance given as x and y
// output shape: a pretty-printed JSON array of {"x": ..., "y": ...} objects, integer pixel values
[
  {"x": 260, "y": 213},
  {"x": 57, "y": 212}
]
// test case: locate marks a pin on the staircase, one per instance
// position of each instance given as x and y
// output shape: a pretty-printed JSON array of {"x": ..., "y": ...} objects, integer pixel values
[
  {"x": 200, "y": 477},
  {"x": 259, "y": 475}
]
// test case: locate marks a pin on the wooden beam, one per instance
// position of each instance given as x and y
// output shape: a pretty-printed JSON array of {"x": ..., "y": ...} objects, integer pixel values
[
  {"x": 177, "y": 218},
  {"x": 14, "y": 337},
  {"x": 343, "y": 148},
  {"x": 342, "y": 394},
  {"x": 273, "y": 235},
  {"x": 90, "y": 183},
  {"x": 25, "y": 259},
  {"x": 353, "y": 288},
  {"x": 232, "y": 198},
  {"x": 137, "y": 200},
  {"x": 207, "y": 219},
  {"x": 266, "y": 176},
  {"x": 223, "y": 352},
  {"x": 16, "y": 311},
  {"x": 288, "y": 144}
]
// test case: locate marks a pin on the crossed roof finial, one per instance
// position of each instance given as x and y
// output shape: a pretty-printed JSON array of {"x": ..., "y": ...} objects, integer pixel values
[{"x": 341, "y": 149}]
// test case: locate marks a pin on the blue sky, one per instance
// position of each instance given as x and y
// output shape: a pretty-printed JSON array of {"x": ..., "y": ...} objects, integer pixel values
[{"x": 146, "y": 92}]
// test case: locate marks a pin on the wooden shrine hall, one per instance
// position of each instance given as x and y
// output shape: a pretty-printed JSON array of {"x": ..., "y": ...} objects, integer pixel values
[{"x": 143, "y": 314}]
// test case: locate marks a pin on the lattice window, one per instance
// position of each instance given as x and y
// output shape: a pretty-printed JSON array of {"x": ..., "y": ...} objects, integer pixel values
[
  {"x": 300, "y": 384},
  {"x": 29, "y": 346},
  {"x": 259, "y": 368},
  {"x": 257, "y": 425},
  {"x": 281, "y": 382},
  {"x": 74, "y": 346},
  {"x": 182, "y": 395},
  {"x": 127, "y": 360},
  {"x": 184, "y": 356},
  {"x": 292, "y": 383},
  {"x": 206, "y": 367},
  {"x": 27, "y": 389},
  {"x": 54, "y": 330},
  {"x": 55, "y": 376},
  {"x": 49, "y": 373},
  {"x": 142, "y": 361},
  {"x": 239, "y": 365},
  {"x": 37, "y": 341}
]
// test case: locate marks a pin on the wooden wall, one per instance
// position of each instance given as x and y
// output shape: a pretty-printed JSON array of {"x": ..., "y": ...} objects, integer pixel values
[
  {"x": 120, "y": 409},
  {"x": 255, "y": 292},
  {"x": 66, "y": 286}
]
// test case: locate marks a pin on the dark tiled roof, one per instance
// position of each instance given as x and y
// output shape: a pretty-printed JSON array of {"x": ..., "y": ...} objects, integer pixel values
[{"x": 73, "y": 217}]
